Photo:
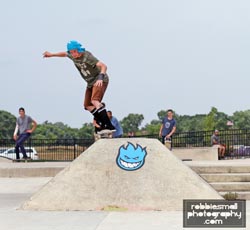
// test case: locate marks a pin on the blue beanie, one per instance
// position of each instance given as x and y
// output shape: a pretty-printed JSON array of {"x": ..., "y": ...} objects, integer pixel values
[{"x": 74, "y": 45}]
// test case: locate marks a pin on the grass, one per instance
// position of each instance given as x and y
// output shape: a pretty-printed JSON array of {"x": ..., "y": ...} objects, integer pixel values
[
  {"x": 59, "y": 152},
  {"x": 231, "y": 196}
]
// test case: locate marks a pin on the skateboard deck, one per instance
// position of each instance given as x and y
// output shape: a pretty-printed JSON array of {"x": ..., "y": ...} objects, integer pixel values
[
  {"x": 21, "y": 160},
  {"x": 105, "y": 134},
  {"x": 168, "y": 144}
]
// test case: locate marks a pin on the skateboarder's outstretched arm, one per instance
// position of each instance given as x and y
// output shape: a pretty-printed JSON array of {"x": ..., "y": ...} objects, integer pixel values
[{"x": 47, "y": 54}]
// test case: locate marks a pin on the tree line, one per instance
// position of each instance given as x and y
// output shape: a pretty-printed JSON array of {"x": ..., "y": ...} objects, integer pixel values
[{"x": 132, "y": 123}]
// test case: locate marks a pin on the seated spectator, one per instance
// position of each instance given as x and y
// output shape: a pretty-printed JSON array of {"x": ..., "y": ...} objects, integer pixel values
[{"x": 215, "y": 141}]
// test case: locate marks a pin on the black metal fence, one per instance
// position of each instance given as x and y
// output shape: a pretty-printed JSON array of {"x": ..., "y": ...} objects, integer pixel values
[
  {"x": 47, "y": 149},
  {"x": 237, "y": 142}
]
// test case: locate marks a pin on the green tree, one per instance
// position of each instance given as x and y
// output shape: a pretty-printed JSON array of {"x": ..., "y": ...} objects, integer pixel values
[
  {"x": 161, "y": 114},
  {"x": 215, "y": 120},
  {"x": 7, "y": 124},
  {"x": 186, "y": 123},
  {"x": 241, "y": 119},
  {"x": 86, "y": 131},
  {"x": 221, "y": 120},
  {"x": 153, "y": 127},
  {"x": 57, "y": 130},
  {"x": 210, "y": 122},
  {"x": 132, "y": 122}
]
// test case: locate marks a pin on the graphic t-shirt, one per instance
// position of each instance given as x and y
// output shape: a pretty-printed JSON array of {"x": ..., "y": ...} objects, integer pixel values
[
  {"x": 168, "y": 125},
  {"x": 86, "y": 65}
]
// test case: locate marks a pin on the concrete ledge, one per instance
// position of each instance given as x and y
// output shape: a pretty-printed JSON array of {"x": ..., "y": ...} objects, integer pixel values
[
  {"x": 42, "y": 169},
  {"x": 197, "y": 153},
  {"x": 226, "y": 177},
  {"x": 29, "y": 172},
  {"x": 231, "y": 186}
]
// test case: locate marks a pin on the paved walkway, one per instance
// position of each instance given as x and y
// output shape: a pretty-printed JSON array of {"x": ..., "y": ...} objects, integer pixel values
[
  {"x": 14, "y": 191},
  {"x": 236, "y": 162}
]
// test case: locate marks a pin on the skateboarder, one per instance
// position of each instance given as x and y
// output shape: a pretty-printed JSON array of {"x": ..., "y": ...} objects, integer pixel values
[
  {"x": 94, "y": 73},
  {"x": 23, "y": 125},
  {"x": 168, "y": 127}
]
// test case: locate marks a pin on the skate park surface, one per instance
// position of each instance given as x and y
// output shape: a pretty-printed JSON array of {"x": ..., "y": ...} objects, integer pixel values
[{"x": 15, "y": 191}]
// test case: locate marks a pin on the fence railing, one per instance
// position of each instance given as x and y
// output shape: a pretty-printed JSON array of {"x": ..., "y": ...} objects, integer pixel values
[
  {"x": 237, "y": 142},
  {"x": 232, "y": 137},
  {"x": 47, "y": 149}
]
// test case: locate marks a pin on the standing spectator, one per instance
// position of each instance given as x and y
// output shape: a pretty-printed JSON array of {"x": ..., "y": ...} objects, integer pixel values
[
  {"x": 119, "y": 131},
  {"x": 215, "y": 141},
  {"x": 94, "y": 72},
  {"x": 168, "y": 127},
  {"x": 23, "y": 126}
]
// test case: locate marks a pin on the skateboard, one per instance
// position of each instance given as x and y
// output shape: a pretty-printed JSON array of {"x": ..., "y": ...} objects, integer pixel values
[
  {"x": 21, "y": 160},
  {"x": 104, "y": 134},
  {"x": 168, "y": 143}
]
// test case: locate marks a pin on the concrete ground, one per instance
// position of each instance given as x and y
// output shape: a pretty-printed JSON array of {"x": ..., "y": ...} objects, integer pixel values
[{"x": 14, "y": 191}]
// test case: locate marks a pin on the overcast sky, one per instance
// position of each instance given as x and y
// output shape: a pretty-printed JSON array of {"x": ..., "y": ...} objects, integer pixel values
[{"x": 188, "y": 55}]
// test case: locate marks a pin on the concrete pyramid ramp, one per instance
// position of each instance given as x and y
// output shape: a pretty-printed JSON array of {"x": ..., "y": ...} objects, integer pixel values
[{"x": 128, "y": 173}]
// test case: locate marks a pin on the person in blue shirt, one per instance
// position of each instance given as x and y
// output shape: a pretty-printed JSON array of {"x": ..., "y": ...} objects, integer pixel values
[
  {"x": 168, "y": 127},
  {"x": 119, "y": 131}
]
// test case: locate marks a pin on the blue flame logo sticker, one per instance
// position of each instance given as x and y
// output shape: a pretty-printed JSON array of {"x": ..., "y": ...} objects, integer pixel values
[{"x": 131, "y": 158}]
